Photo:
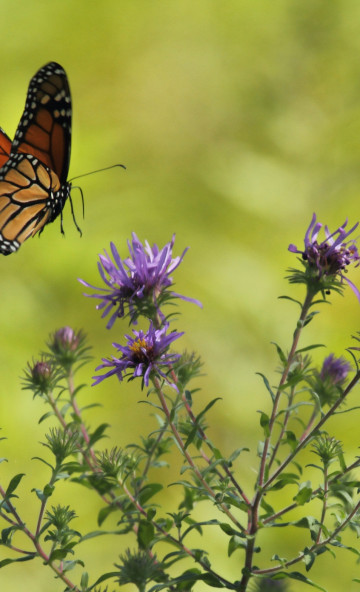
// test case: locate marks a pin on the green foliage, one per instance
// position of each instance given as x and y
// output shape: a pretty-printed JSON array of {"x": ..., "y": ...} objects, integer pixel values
[{"x": 127, "y": 480}]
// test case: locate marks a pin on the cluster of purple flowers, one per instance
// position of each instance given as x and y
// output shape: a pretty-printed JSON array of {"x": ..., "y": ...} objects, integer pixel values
[
  {"x": 140, "y": 285},
  {"x": 136, "y": 284}
]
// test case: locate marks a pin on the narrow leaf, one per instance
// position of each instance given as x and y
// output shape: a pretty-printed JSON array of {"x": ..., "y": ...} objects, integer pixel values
[
  {"x": 145, "y": 534},
  {"x": 148, "y": 492},
  {"x": 295, "y": 575},
  {"x": 267, "y": 384},
  {"x": 13, "y": 484}
]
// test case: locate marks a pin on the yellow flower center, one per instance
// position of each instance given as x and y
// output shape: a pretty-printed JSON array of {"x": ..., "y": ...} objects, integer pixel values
[{"x": 138, "y": 346}]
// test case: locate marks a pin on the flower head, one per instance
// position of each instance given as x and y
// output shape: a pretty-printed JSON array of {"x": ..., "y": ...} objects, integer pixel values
[
  {"x": 66, "y": 339},
  {"x": 40, "y": 377},
  {"x": 68, "y": 347},
  {"x": 139, "y": 282},
  {"x": 328, "y": 383},
  {"x": 144, "y": 354},
  {"x": 327, "y": 261},
  {"x": 335, "y": 370},
  {"x": 139, "y": 568},
  {"x": 328, "y": 449}
]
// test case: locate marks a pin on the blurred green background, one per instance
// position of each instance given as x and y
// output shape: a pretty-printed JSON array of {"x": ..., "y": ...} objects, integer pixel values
[{"x": 236, "y": 120}]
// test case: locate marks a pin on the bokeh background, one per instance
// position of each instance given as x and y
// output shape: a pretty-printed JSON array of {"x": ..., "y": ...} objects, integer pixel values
[{"x": 236, "y": 120}]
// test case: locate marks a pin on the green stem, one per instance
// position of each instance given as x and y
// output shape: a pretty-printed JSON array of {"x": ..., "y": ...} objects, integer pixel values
[
  {"x": 254, "y": 509},
  {"x": 313, "y": 548},
  {"x": 312, "y": 432},
  {"x": 324, "y": 507},
  {"x": 188, "y": 457}
]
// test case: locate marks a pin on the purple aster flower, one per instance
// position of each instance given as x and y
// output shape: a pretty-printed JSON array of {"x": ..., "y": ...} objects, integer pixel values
[
  {"x": 331, "y": 257},
  {"x": 328, "y": 383},
  {"x": 143, "y": 354},
  {"x": 139, "y": 281},
  {"x": 335, "y": 370}
]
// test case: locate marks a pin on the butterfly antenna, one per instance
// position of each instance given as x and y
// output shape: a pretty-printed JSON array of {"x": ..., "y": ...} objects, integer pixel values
[{"x": 97, "y": 171}]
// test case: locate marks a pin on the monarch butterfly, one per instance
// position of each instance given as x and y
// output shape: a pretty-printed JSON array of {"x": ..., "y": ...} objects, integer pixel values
[{"x": 34, "y": 167}]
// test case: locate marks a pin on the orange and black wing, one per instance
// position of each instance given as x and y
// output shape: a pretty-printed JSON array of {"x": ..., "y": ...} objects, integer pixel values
[
  {"x": 5, "y": 147},
  {"x": 44, "y": 130},
  {"x": 26, "y": 204}
]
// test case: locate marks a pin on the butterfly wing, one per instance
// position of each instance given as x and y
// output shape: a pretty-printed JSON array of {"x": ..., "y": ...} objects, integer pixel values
[
  {"x": 25, "y": 204},
  {"x": 44, "y": 130},
  {"x": 34, "y": 168},
  {"x": 5, "y": 147}
]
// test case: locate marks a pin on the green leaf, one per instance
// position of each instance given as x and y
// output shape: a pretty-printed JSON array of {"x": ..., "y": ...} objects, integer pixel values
[
  {"x": 281, "y": 560},
  {"x": 188, "y": 396},
  {"x": 98, "y": 434},
  {"x": 183, "y": 582},
  {"x": 267, "y": 384},
  {"x": 309, "y": 347},
  {"x": 264, "y": 422},
  {"x": 342, "y": 546},
  {"x": 57, "y": 554},
  {"x": 304, "y": 494},
  {"x": 280, "y": 352},
  {"x": 104, "y": 513},
  {"x": 232, "y": 500},
  {"x": 197, "y": 526},
  {"x": 308, "y": 522},
  {"x": 208, "y": 406},
  {"x": 269, "y": 510},
  {"x": 291, "y": 300},
  {"x": 191, "y": 436},
  {"x": 96, "y": 533},
  {"x": 148, "y": 491},
  {"x": 150, "y": 514},
  {"x": 84, "y": 581},
  {"x": 7, "y": 533},
  {"x": 236, "y": 542},
  {"x": 217, "y": 454},
  {"x": 295, "y": 575},
  {"x": 228, "y": 529},
  {"x": 45, "y": 416},
  {"x": 285, "y": 479},
  {"x": 233, "y": 456},
  {"x": 41, "y": 494},
  {"x": 211, "y": 580},
  {"x": 13, "y": 484},
  {"x": 7, "y": 561},
  {"x": 43, "y": 461},
  {"x": 291, "y": 440},
  {"x": 145, "y": 534},
  {"x": 309, "y": 558},
  {"x": 104, "y": 577}
]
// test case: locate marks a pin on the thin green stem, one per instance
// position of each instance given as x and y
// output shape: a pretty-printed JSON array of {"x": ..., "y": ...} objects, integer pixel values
[
  {"x": 324, "y": 506},
  {"x": 304, "y": 312},
  {"x": 188, "y": 457},
  {"x": 282, "y": 432},
  {"x": 313, "y": 431},
  {"x": 35, "y": 542},
  {"x": 206, "y": 440},
  {"x": 169, "y": 537},
  {"x": 314, "y": 547},
  {"x": 254, "y": 509}
]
